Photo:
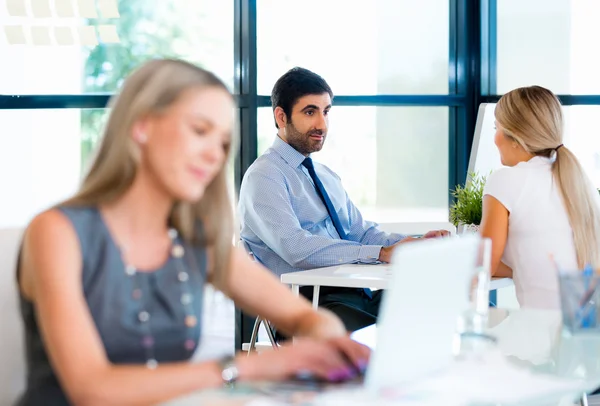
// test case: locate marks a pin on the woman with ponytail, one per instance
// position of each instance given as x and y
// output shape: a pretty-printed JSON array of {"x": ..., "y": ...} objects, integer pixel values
[{"x": 540, "y": 211}]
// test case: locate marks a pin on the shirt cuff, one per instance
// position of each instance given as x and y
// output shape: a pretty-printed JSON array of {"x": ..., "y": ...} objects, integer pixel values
[{"x": 369, "y": 254}]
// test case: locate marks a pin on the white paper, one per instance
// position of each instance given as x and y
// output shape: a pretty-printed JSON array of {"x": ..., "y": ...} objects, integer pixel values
[
  {"x": 15, "y": 35},
  {"x": 108, "y": 33},
  {"x": 64, "y": 8},
  {"x": 87, "y": 36},
  {"x": 87, "y": 8},
  {"x": 108, "y": 8},
  {"x": 40, "y": 36},
  {"x": 16, "y": 8},
  {"x": 64, "y": 36},
  {"x": 41, "y": 8}
]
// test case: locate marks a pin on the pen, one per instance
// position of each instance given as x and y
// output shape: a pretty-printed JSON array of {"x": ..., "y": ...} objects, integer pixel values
[{"x": 587, "y": 307}]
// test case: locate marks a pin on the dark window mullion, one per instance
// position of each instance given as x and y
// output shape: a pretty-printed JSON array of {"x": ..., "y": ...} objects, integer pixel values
[
  {"x": 66, "y": 101},
  {"x": 565, "y": 99},
  {"x": 245, "y": 77},
  {"x": 488, "y": 61}
]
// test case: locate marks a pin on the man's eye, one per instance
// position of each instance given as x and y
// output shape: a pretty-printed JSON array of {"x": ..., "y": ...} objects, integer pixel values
[{"x": 310, "y": 113}]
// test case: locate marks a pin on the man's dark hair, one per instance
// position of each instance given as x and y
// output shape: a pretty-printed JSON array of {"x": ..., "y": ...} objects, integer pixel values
[{"x": 294, "y": 84}]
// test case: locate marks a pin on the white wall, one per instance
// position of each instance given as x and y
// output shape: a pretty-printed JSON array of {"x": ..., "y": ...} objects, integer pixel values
[{"x": 12, "y": 364}]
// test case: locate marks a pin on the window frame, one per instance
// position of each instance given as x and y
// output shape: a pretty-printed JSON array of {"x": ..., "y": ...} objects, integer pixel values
[{"x": 472, "y": 81}]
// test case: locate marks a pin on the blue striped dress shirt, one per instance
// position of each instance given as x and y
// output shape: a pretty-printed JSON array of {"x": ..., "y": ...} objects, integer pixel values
[{"x": 286, "y": 225}]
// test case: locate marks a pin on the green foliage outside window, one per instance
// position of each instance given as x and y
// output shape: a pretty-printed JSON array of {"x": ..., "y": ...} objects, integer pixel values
[{"x": 147, "y": 29}]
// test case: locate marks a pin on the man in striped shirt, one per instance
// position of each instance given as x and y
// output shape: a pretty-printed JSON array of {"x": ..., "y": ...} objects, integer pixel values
[{"x": 295, "y": 214}]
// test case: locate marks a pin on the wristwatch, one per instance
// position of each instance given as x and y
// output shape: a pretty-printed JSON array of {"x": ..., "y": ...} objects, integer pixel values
[{"x": 229, "y": 370}]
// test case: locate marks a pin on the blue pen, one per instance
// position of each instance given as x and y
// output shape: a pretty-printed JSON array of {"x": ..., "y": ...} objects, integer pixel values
[{"x": 587, "y": 308}]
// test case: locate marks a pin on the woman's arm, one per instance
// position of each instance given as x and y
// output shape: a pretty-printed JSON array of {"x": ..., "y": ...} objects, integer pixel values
[
  {"x": 51, "y": 278},
  {"x": 258, "y": 291},
  {"x": 503, "y": 271},
  {"x": 494, "y": 225}
]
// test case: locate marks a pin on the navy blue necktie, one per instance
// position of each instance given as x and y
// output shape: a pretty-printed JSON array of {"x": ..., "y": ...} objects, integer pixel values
[{"x": 308, "y": 164}]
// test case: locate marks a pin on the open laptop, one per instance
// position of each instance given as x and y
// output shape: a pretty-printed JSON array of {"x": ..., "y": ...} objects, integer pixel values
[{"x": 417, "y": 320}]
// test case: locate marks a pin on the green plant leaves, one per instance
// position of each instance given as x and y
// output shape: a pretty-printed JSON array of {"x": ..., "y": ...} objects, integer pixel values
[{"x": 467, "y": 206}]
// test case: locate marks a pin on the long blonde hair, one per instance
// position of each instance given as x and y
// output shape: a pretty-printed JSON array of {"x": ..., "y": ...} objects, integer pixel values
[
  {"x": 149, "y": 90},
  {"x": 532, "y": 116}
]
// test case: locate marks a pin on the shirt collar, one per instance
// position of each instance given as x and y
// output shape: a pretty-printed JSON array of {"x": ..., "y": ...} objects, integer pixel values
[
  {"x": 288, "y": 153},
  {"x": 540, "y": 160}
]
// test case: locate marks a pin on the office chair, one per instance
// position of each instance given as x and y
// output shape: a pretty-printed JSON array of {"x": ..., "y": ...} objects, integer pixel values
[{"x": 259, "y": 320}]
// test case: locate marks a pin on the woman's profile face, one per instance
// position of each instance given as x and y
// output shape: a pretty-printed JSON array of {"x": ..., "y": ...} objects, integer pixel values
[
  {"x": 186, "y": 144},
  {"x": 505, "y": 146}
]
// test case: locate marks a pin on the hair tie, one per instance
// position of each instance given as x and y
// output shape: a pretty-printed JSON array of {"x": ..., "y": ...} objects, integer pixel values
[{"x": 557, "y": 148}]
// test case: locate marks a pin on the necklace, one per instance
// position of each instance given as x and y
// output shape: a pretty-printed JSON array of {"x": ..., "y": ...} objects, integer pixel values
[{"x": 177, "y": 251}]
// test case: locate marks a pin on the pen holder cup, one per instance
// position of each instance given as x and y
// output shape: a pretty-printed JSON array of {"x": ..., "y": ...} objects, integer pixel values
[{"x": 580, "y": 302}]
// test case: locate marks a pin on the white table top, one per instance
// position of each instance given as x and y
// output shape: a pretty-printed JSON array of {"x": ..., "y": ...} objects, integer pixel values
[
  {"x": 357, "y": 276},
  {"x": 534, "y": 339},
  {"x": 530, "y": 339}
]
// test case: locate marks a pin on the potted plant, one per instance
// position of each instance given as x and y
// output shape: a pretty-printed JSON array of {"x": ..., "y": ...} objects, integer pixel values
[{"x": 465, "y": 211}]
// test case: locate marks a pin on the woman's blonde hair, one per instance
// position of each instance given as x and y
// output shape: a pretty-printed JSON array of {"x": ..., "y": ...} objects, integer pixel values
[
  {"x": 532, "y": 116},
  {"x": 150, "y": 90}
]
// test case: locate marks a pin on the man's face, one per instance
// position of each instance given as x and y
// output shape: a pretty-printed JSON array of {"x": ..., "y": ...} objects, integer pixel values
[{"x": 306, "y": 129}]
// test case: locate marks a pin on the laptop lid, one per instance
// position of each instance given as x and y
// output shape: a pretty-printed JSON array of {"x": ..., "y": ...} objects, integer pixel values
[{"x": 417, "y": 322}]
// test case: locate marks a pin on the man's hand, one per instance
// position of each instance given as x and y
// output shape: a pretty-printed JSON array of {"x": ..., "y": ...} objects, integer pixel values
[
  {"x": 385, "y": 255},
  {"x": 437, "y": 234}
]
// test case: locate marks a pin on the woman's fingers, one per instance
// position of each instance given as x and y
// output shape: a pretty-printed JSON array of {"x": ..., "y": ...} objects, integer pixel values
[
  {"x": 356, "y": 354},
  {"x": 335, "y": 360},
  {"x": 324, "y": 359}
]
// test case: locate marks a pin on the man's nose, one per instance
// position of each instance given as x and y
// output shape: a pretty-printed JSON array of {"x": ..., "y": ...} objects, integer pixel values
[{"x": 322, "y": 123}]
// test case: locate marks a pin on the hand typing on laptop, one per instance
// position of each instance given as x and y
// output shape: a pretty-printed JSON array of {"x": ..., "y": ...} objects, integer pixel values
[
  {"x": 385, "y": 254},
  {"x": 334, "y": 360}
]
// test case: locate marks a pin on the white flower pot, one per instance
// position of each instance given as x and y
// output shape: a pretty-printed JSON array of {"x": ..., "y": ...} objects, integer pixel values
[{"x": 467, "y": 229}]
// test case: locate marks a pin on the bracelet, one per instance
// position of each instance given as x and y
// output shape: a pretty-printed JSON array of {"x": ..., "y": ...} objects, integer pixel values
[{"x": 229, "y": 370}]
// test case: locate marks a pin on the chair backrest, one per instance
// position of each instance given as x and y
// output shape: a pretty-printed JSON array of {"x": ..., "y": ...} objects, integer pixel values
[{"x": 12, "y": 356}]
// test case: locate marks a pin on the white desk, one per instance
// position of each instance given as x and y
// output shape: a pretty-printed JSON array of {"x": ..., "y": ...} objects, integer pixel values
[
  {"x": 530, "y": 339},
  {"x": 354, "y": 276}
]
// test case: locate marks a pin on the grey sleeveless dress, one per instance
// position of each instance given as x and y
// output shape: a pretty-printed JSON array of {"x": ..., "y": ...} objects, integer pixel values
[{"x": 108, "y": 293}]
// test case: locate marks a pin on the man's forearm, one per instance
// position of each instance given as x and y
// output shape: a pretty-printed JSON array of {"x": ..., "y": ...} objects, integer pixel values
[{"x": 338, "y": 253}]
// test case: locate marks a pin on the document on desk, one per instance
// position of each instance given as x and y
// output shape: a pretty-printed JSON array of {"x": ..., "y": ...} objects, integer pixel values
[{"x": 373, "y": 271}]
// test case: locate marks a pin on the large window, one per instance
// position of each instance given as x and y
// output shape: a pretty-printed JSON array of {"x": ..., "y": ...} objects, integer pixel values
[
  {"x": 86, "y": 47},
  {"x": 379, "y": 47},
  {"x": 581, "y": 136},
  {"x": 392, "y": 157},
  {"x": 40, "y": 160},
  {"x": 393, "y": 161},
  {"x": 552, "y": 43}
]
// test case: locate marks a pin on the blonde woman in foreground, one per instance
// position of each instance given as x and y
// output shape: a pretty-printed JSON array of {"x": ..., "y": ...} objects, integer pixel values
[
  {"x": 111, "y": 281},
  {"x": 542, "y": 205}
]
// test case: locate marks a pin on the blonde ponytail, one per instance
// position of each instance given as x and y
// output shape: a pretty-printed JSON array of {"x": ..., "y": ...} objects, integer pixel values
[{"x": 581, "y": 205}]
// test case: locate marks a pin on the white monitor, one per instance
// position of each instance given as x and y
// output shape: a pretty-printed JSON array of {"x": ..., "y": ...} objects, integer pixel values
[{"x": 485, "y": 157}]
